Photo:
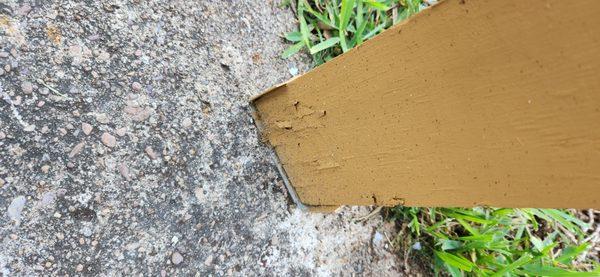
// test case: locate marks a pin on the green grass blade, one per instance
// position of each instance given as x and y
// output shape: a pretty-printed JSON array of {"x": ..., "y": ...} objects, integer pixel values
[
  {"x": 376, "y": 5},
  {"x": 375, "y": 31},
  {"x": 469, "y": 218},
  {"x": 571, "y": 252},
  {"x": 454, "y": 271},
  {"x": 404, "y": 14},
  {"x": 516, "y": 264},
  {"x": 333, "y": 12},
  {"x": 435, "y": 226},
  {"x": 345, "y": 14},
  {"x": 323, "y": 18},
  {"x": 343, "y": 42},
  {"x": 293, "y": 36},
  {"x": 413, "y": 6},
  {"x": 450, "y": 244},
  {"x": 292, "y": 50},
  {"x": 484, "y": 238},
  {"x": 519, "y": 232},
  {"x": 358, "y": 18},
  {"x": 544, "y": 270},
  {"x": 455, "y": 261},
  {"x": 358, "y": 36},
  {"x": 324, "y": 45},
  {"x": 537, "y": 243},
  {"x": 565, "y": 218},
  {"x": 503, "y": 212},
  {"x": 467, "y": 227},
  {"x": 304, "y": 27}
]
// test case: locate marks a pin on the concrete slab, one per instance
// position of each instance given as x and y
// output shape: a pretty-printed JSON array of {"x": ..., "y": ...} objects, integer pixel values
[{"x": 127, "y": 146}]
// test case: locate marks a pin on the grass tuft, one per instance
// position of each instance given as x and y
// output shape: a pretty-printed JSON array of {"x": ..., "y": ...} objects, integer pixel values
[
  {"x": 328, "y": 28},
  {"x": 497, "y": 242}
]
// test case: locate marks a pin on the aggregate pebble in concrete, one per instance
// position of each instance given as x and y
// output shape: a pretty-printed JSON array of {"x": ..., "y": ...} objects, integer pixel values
[{"x": 127, "y": 146}]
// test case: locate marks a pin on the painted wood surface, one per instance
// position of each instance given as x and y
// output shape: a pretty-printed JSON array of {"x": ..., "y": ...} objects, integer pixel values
[{"x": 469, "y": 103}]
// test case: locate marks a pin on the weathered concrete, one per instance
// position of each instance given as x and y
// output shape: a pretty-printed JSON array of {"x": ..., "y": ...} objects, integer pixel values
[{"x": 141, "y": 155}]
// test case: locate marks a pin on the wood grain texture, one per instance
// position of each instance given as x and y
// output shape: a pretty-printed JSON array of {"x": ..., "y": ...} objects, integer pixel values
[{"x": 469, "y": 103}]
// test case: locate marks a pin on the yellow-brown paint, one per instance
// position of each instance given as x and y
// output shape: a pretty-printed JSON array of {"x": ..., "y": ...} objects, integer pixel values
[
  {"x": 4, "y": 21},
  {"x": 53, "y": 34},
  {"x": 469, "y": 103}
]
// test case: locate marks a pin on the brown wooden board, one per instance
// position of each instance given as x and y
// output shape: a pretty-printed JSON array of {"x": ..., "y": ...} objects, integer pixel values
[{"x": 468, "y": 103}]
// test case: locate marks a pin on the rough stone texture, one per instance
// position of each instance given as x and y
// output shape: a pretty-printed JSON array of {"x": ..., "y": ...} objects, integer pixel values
[{"x": 188, "y": 174}]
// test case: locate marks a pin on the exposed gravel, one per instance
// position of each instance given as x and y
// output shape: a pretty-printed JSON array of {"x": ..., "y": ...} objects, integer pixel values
[{"x": 127, "y": 146}]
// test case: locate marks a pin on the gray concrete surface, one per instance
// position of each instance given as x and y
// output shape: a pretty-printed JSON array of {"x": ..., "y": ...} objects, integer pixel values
[{"x": 127, "y": 146}]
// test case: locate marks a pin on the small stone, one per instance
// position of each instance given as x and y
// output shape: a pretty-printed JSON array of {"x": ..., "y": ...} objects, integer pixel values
[
  {"x": 87, "y": 128},
  {"x": 48, "y": 264},
  {"x": 124, "y": 170},
  {"x": 23, "y": 10},
  {"x": 208, "y": 260},
  {"x": 86, "y": 231},
  {"x": 136, "y": 86},
  {"x": 186, "y": 122},
  {"x": 102, "y": 118},
  {"x": 138, "y": 52},
  {"x": 79, "y": 268},
  {"x": 108, "y": 140},
  {"x": 76, "y": 150},
  {"x": 176, "y": 258},
  {"x": 16, "y": 208},
  {"x": 138, "y": 113},
  {"x": 75, "y": 50},
  {"x": 27, "y": 87},
  {"x": 29, "y": 128},
  {"x": 2, "y": 135},
  {"x": 4, "y": 54},
  {"x": 48, "y": 198},
  {"x": 150, "y": 152},
  {"x": 103, "y": 56},
  {"x": 60, "y": 236},
  {"x": 121, "y": 131},
  {"x": 46, "y": 169},
  {"x": 57, "y": 215}
]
